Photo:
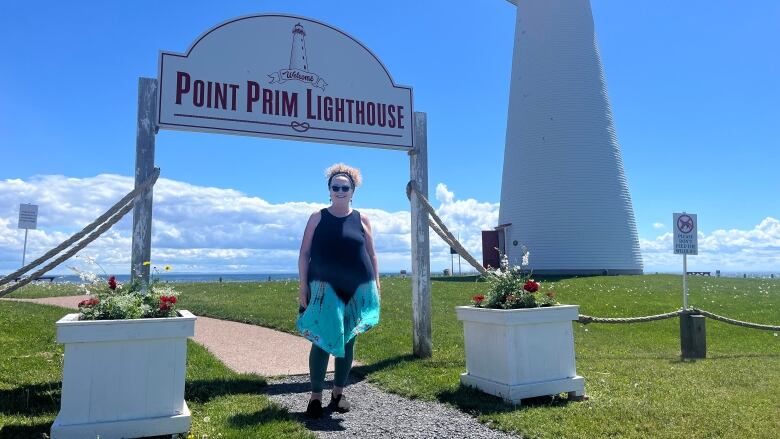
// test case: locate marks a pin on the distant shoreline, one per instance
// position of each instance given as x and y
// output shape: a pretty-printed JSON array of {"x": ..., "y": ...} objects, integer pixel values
[{"x": 265, "y": 277}]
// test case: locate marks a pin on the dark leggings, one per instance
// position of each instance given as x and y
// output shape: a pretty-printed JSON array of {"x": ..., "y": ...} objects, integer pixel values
[{"x": 318, "y": 363}]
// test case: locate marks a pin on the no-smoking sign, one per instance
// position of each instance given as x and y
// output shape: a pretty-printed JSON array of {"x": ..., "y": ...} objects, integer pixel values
[{"x": 686, "y": 240}]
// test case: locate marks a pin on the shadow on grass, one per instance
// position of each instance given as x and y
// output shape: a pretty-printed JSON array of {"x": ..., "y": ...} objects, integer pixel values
[
  {"x": 476, "y": 403},
  {"x": 31, "y": 400},
  {"x": 715, "y": 357},
  {"x": 25, "y": 431},
  {"x": 469, "y": 279},
  {"x": 359, "y": 373},
  {"x": 202, "y": 391},
  {"x": 266, "y": 415}
]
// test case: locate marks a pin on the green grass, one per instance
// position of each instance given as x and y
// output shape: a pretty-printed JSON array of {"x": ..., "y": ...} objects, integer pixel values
[
  {"x": 220, "y": 400},
  {"x": 40, "y": 289},
  {"x": 637, "y": 384}
]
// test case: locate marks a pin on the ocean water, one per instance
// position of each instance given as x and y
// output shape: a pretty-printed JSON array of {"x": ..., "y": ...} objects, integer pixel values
[
  {"x": 200, "y": 277},
  {"x": 265, "y": 277},
  {"x": 196, "y": 277}
]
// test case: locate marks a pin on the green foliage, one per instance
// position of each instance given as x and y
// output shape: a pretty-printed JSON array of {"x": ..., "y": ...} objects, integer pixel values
[
  {"x": 114, "y": 301},
  {"x": 510, "y": 288}
]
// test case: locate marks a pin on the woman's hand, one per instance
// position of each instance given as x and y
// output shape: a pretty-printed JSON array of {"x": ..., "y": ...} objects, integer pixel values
[{"x": 303, "y": 296}]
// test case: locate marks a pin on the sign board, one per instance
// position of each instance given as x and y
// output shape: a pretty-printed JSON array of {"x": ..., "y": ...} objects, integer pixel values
[
  {"x": 285, "y": 77},
  {"x": 28, "y": 216},
  {"x": 686, "y": 241}
]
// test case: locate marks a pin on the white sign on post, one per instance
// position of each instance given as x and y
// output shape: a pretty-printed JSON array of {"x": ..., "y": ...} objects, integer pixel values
[
  {"x": 686, "y": 241},
  {"x": 28, "y": 216},
  {"x": 285, "y": 77}
]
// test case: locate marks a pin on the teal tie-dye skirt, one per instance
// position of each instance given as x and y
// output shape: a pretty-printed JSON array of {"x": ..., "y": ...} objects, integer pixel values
[{"x": 330, "y": 323}]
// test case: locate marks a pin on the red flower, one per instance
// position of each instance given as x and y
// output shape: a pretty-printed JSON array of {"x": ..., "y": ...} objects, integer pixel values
[
  {"x": 172, "y": 299},
  {"x": 168, "y": 299},
  {"x": 531, "y": 286},
  {"x": 478, "y": 298},
  {"x": 164, "y": 306},
  {"x": 112, "y": 282}
]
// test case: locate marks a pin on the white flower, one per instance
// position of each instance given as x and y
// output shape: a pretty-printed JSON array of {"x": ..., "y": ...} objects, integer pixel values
[{"x": 526, "y": 254}]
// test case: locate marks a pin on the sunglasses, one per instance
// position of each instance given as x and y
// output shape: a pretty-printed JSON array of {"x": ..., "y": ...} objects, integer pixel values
[{"x": 343, "y": 188}]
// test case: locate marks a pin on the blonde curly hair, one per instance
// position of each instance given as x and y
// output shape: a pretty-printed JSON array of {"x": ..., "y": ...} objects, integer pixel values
[{"x": 342, "y": 169}]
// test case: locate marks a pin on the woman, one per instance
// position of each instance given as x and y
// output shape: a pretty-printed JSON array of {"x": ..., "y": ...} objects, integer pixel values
[{"x": 339, "y": 287}]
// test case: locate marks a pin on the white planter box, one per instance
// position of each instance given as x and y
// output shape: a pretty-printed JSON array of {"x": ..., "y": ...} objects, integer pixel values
[
  {"x": 123, "y": 378},
  {"x": 521, "y": 353}
]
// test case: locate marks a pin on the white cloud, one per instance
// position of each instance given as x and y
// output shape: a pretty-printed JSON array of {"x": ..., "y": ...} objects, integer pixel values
[
  {"x": 658, "y": 225},
  {"x": 757, "y": 249},
  {"x": 207, "y": 229}
]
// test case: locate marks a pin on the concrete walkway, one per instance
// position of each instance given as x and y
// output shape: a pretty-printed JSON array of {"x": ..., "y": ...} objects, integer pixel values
[{"x": 242, "y": 347}]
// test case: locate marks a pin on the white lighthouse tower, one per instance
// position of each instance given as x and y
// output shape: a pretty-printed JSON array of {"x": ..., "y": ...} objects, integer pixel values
[
  {"x": 298, "y": 52},
  {"x": 564, "y": 193}
]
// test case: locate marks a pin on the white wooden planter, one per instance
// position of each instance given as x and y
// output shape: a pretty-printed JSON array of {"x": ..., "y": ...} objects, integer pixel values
[
  {"x": 521, "y": 353},
  {"x": 123, "y": 378}
]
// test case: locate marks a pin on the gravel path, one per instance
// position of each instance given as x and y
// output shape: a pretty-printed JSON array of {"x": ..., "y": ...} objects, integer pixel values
[{"x": 378, "y": 414}]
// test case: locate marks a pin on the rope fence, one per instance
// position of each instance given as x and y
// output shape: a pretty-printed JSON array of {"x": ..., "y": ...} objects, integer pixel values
[
  {"x": 438, "y": 226},
  {"x": 97, "y": 227},
  {"x": 590, "y": 319},
  {"x": 734, "y": 321}
]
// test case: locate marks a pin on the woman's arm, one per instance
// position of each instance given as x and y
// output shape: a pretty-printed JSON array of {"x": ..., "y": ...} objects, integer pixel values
[
  {"x": 370, "y": 246},
  {"x": 303, "y": 259}
]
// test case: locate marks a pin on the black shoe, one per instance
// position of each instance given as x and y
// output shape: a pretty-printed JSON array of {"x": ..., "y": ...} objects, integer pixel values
[
  {"x": 339, "y": 403},
  {"x": 314, "y": 409}
]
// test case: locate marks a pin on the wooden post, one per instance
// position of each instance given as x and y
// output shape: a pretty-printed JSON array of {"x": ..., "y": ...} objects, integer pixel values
[
  {"x": 421, "y": 264},
  {"x": 146, "y": 129},
  {"x": 693, "y": 336}
]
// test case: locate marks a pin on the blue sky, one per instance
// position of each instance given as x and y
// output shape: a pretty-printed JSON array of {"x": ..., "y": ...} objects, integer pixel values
[{"x": 693, "y": 85}]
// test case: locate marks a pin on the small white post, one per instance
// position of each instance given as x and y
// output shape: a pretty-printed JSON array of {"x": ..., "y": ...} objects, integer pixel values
[
  {"x": 421, "y": 273},
  {"x": 685, "y": 281},
  {"x": 146, "y": 129},
  {"x": 24, "y": 250}
]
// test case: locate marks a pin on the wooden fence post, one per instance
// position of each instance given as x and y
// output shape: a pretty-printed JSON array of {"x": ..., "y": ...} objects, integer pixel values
[
  {"x": 421, "y": 273},
  {"x": 146, "y": 129},
  {"x": 693, "y": 336}
]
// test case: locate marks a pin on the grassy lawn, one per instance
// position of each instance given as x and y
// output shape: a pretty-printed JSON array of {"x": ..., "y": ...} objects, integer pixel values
[
  {"x": 221, "y": 401},
  {"x": 638, "y": 386},
  {"x": 40, "y": 289}
]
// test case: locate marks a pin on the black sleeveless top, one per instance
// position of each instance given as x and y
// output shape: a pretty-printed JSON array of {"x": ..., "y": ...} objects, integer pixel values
[{"x": 339, "y": 255}]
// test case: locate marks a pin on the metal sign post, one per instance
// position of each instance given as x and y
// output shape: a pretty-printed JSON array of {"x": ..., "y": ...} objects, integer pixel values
[
  {"x": 693, "y": 338},
  {"x": 28, "y": 219},
  {"x": 686, "y": 243},
  {"x": 24, "y": 249}
]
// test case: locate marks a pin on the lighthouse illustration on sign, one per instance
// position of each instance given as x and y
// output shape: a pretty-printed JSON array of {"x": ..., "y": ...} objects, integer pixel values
[{"x": 299, "y": 64}]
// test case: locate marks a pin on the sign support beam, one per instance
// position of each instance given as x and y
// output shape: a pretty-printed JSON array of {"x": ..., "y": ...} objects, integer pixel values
[
  {"x": 146, "y": 129},
  {"x": 24, "y": 250},
  {"x": 421, "y": 273}
]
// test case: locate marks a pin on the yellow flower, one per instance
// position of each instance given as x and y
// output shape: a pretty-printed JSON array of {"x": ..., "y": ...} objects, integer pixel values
[
  {"x": 167, "y": 268},
  {"x": 147, "y": 263}
]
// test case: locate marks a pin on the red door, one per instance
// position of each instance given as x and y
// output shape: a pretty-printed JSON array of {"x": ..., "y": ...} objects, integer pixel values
[{"x": 490, "y": 255}]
